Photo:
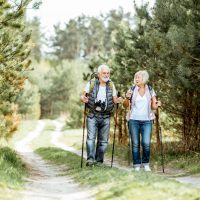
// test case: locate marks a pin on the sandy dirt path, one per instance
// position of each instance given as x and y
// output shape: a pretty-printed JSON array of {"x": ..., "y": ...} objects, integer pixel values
[{"x": 46, "y": 181}]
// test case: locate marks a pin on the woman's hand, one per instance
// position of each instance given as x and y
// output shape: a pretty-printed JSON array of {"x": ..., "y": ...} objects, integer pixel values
[
  {"x": 155, "y": 103},
  {"x": 129, "y": 94},
  {"x": 158, "y": 103}
]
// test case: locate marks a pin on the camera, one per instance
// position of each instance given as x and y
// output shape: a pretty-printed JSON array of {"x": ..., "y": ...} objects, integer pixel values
[{"x": 100, "y": 106}]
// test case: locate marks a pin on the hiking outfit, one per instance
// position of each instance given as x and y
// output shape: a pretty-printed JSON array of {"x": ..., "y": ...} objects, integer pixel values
[
  {"x": 140, "y": 123},
  {"x": 100, "y": 105}
]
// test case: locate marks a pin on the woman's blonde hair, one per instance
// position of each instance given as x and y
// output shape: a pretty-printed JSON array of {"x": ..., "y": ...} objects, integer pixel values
[{"x": 144, "y": 74}]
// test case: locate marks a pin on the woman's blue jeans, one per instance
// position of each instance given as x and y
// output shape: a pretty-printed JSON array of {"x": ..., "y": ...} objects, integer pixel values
[
  {"x": 99, "y": 127},
  {"x": 143, "y": 128}
]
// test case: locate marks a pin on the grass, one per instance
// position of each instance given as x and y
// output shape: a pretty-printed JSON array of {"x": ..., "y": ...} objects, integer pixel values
[
  {"x": 49, "y": 126},
  {"x": 112, "y": 183},
  {"x": 44, "y": 139},
  {"x": 24, "y": 128},
  {"x": 12, "y": 169},
  {"x": 72, "y": 137},
  {"x": 174, "y": 158}
]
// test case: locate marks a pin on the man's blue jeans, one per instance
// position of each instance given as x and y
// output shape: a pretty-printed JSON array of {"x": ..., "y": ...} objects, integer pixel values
[
  {"x": 99, "y": 127},
  {"x": 143, "y": 128}
]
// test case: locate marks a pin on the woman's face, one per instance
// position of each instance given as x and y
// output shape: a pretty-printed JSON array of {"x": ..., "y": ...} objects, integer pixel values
[{"x": 139, "y": 80}]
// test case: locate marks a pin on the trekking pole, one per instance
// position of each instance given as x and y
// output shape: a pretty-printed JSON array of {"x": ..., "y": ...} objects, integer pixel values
[
  {"x": 113, "y": 148},
  {"x": 84, "y": 125},
  {"x": 161, "y": 144},
  {"x": 129, "y": 137},
  {"x": 129, "y": 146}
]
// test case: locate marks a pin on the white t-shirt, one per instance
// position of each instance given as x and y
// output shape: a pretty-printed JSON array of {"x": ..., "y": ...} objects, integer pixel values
[
  {"x": 102, "y": 92},
  {"x": 139, "y": 110}
]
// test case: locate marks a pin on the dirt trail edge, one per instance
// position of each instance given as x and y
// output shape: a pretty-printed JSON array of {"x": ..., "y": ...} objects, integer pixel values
[{"x": 46, "y": 181}]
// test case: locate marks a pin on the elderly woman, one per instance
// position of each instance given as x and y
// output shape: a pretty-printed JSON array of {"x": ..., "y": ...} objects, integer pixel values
[{"x": 142, "y": 99}]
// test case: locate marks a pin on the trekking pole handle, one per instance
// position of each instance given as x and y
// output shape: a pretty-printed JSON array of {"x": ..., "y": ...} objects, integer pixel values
[{"x": 118, "y": 95}]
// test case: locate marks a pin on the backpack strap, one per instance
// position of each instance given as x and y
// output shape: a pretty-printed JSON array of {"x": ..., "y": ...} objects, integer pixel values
[
  {"x": 92, "y": 84},
  {"x": 132, "y": 89},
  {"x": 110, "y": 85},
  {"x": 150, "y": 90}
]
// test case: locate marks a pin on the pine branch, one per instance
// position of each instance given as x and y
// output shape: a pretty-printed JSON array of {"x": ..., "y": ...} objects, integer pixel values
[{"x": 192, "y": 57}]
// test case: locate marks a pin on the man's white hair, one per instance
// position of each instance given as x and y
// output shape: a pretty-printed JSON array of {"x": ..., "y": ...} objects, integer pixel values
[
  {"x": 144, "y": 74},
  {"x": 103, "y": 66}
]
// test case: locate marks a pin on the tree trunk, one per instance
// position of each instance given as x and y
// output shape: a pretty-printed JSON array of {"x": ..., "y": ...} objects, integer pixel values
[{"x": 191, "y": 128}]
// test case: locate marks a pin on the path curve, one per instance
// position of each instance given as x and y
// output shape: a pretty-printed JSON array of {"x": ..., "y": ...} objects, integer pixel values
[{"x": 46, "y": 181}]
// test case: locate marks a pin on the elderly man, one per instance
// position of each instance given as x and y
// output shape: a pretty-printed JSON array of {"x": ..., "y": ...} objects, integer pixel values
[{"x": 100, "y": 97}]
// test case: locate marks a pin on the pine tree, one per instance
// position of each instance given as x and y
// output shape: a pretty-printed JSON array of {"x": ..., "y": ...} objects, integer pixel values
[
  {"x": 177, "y": 39},
  {"x": 14, "y": 61},
  {"x": 166, "y": 43},
  {"x": 131, "y": 53}
]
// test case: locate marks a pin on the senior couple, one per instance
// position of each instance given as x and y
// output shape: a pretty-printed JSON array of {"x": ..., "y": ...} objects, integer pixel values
[{"x": 100, "y": 96}]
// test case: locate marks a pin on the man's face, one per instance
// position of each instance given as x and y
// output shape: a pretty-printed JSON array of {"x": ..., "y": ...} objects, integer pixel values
[{"x": 104, "y": 75}]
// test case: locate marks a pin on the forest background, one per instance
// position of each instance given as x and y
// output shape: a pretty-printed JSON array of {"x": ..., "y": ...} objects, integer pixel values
[{"x": 164, "y": 40}]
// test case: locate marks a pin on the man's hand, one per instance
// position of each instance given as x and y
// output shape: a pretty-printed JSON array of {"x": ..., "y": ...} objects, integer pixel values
[
  {"x": 84, "y": 99},
  {"x": 118, "y": 100}
]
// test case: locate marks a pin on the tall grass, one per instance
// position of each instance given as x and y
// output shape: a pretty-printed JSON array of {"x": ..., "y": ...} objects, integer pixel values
[
  {"x": 175, "y": 158},
  {"x": 12, "y": 169}
]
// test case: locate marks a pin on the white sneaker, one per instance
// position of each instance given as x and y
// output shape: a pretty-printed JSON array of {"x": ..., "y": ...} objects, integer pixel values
[
  {"x": 147, "y": 168},
  {"x": 137, "y": 169}
]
